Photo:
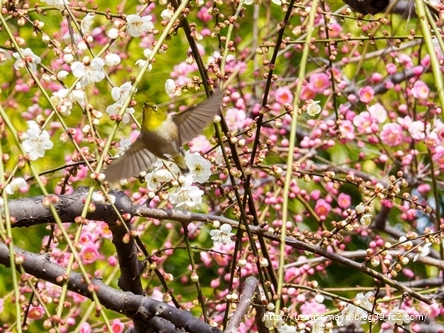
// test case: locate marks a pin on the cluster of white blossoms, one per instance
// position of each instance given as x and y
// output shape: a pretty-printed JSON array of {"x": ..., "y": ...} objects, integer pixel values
[
  {"x": 28, "y": 58},
  {"x": 186, "y": 195},
  {"x": 34, "y": 142}
]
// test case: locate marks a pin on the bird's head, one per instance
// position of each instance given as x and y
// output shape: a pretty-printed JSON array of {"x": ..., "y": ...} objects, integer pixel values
[{"x": 153, "y": 117}]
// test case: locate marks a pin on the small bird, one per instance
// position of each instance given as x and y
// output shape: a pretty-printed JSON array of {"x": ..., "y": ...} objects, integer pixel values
[{"x": 162, "y": 136}]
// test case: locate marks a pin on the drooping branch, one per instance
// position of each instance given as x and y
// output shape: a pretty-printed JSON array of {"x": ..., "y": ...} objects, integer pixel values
[
  {"x": 141, "y": 309},
  {"x": 243, "y": 306}
]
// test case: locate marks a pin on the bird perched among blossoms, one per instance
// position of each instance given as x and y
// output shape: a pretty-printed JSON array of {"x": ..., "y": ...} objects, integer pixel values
[{"x": 162, "y": 136}]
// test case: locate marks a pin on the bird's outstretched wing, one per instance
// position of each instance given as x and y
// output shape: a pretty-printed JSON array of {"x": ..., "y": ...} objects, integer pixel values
[
  {"x": 191, "y": 122},
  {"x": 135, "y": 160}
]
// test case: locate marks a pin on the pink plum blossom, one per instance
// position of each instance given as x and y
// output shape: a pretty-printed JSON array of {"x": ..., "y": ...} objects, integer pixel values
[
  {"x": 392, "y": 134},
  {"x": 284, "y": 95},
  {"x": 420, "y": 90},
  {"x": 366, "y": 94},
  {"x": 319, "y": 82}
]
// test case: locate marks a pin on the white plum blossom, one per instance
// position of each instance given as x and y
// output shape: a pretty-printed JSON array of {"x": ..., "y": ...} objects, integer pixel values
[
  {"x": 425, "y": 250},
  {"x": 187, "y": 196},
  {"x": 398, "y": 317},
  {"x": 352, "y": 314},
  {"x": 75, "y": 38},
  {"x": 62, "y": 75},
  {"x": 98, "y": 197},
  {"x": 114, "y": 109},
  {"x": 59, "y": 4},
  {"x": 156, "y": 178},
  {"x": 4, "y": 55},
  {"x": 170, "y": 87},
  {"x": 120, "y": 94},
  {"x": 87, "y": 22},
  {"x": 287, "y": 329},
  {"x": 88, "y": 72},
  {"x": 28, "y": 58},
  {"x": 200, "y": 168},
  {"x": 378, "y": 112},
  {"x": 313, "y": 108},
  {"x": 222, "y": 235},
  {"x": 137, "y": 25},
  {"x": 319, "y": 325},
  {"x": 36, "y": 141},
  {"x": 64, "y": 101},
  {"x": 15, "y": 185},
  {"x": 112, "y": 59}
]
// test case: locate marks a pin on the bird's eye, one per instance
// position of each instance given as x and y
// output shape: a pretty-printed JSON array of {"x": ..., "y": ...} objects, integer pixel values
[{"x": 151, "y": 106}]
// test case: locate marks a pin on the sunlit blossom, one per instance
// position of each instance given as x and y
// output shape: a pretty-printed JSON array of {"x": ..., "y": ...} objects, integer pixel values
[
  {"x": 36, "y": 141},
  {"x": 88, "y": 72},
  {"x": 137, "y": 25}
]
